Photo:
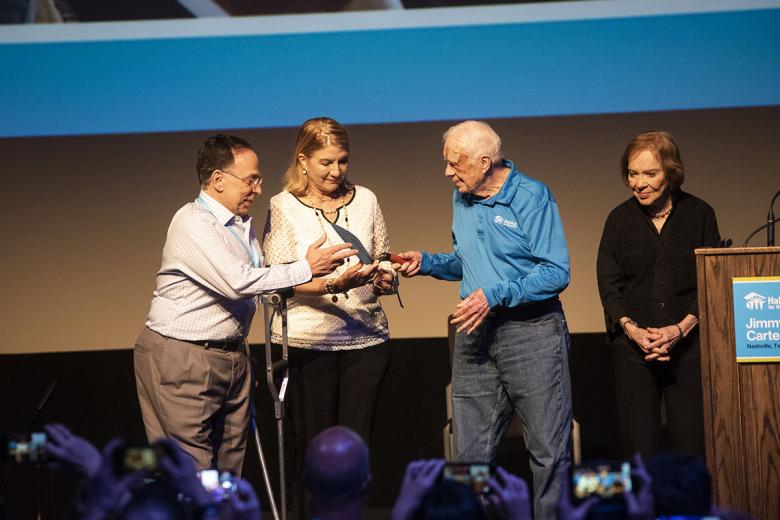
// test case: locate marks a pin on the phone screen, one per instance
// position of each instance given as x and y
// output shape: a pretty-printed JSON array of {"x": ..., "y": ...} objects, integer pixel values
[
  {"x": 135, "y": 458},
  {"x": 605, "y": 480},
  {"x": 473, "y": 475},
  {"x": 26, "y": 448},
  {"x": 219, "y": 485}
]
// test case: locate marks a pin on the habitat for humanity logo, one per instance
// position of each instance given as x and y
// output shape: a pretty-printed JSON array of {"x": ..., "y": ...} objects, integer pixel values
[
  {"x": 754, "y": 301},
  {"x": 505, "y": 222}
]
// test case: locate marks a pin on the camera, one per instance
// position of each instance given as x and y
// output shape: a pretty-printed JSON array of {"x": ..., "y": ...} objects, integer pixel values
[
  {"x": 219, "y": 485},
  {"x": 605, "y": 479},
  {"x": 129, "y": 459},
  {"x": 23, "y": 448},
  {"x": 474, "y": 475}
]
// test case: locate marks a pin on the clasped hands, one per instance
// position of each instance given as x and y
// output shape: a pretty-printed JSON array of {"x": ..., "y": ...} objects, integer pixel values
[{"x": 655, "y": 342}]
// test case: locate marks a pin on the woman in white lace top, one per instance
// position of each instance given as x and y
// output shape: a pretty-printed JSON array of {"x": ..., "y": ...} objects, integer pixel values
[{"x": 337, "y": 330}]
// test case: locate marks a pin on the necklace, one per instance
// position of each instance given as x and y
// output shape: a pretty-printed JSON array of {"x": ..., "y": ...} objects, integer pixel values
[
  {"x": 321, "y": 212},
  {"x": 325, "y": 199},
  {"x": 664, "y": 212}
]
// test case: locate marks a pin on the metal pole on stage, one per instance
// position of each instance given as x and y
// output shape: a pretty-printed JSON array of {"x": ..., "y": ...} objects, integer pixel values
[
  {"x": 253, "y": 421},
  {"x": 273, "y": 303},
  {"x": 32, "y": 426}
]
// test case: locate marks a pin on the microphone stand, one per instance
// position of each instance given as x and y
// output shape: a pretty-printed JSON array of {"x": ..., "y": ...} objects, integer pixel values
[
  {"x": 767, "y": 225},
  {"x": 770, "y": 222},
  {"x": 32, "y": 426}
]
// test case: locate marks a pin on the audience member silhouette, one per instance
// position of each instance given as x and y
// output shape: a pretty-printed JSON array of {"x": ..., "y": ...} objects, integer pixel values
[
  {"x": 336, "y": 474},
  {"x": 681, "y": 485},
  {"x": 449, "y": 499}
]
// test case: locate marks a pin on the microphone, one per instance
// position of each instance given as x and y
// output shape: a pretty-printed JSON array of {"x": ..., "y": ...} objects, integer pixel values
[
  {"x": 33, "y": 424},
  {"x": 770, "y": 222}
]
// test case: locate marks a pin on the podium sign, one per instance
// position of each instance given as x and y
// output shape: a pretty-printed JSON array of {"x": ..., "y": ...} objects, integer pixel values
[{"x": 757, "y": 319}]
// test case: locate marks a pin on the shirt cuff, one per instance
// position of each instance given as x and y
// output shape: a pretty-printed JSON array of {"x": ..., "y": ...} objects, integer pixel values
[
  {"x": 425, "y": 264},
  {"x": 300, "y": 272},
  {"x": 491, "y": 296}
]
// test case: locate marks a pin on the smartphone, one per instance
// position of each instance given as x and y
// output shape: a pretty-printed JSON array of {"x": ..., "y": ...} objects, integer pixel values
[
  {"x": 473, "y": 475},
  {"x": 24, "y": 448},
  {"x": 604, "y": 479},
  {"x": 219, "y": 485},
  {"x": 135, "y": 458}
]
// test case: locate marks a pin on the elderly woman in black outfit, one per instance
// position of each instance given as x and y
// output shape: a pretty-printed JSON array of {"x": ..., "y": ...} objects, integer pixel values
[{"x": 647, "y": 282}]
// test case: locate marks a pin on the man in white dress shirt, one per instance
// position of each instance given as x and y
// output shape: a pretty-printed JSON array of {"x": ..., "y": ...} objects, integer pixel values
[{"x": 192, "y": 373}]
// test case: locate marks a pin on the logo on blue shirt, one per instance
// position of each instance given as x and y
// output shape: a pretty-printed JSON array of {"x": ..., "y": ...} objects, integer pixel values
[{"x": 505, "y": 222}]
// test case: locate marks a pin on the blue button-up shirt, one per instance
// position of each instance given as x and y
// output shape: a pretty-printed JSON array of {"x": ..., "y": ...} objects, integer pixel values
[{"x": 511, "y": 245}]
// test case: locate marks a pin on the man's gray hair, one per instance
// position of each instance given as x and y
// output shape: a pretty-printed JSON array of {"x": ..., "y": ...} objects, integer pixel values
[{"x": 478, "y": 139}]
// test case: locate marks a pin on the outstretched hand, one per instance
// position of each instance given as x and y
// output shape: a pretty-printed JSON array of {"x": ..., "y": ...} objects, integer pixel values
[
  {"x": 356, "y": 276},
  {"x": 420, "y": 477},
  {"x": 70, "y": 451},
  {"x": 325, "y": 260},
  {"x": 639, "y": 503},
  {"x": 107, "y": 491},
  {"x": 412, "y": 265},
  {"x": 567, "y": 510},
  {"x": 243, "y": 504},
  {"x": 180, "y": 469},
  {"x": 510, "y": 496}
]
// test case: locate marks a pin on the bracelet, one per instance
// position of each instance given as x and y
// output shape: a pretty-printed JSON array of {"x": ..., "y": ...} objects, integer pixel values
[
  {"x": 624, "y": 323},
  {"x": 330, "y": 288},
  {"x": 680, "y": 329}
]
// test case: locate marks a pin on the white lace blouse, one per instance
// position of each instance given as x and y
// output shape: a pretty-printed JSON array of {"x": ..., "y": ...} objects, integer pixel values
[{"x": 316, "y": 322}]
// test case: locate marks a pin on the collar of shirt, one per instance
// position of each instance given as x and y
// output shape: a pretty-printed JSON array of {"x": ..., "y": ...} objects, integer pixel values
[
  {"x": 507, "y": 191},
  {"x": 223, "y": 215}
]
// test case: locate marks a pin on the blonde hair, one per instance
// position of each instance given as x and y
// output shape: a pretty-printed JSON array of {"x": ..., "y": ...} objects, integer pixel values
[{"x": 314, "y": 134}]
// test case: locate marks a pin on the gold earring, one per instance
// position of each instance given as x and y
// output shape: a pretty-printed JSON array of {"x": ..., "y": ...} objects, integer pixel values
[{"x": 304, "y": 171}]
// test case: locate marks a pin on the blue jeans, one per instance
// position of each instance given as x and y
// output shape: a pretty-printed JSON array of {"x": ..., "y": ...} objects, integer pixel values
[{"x": 516, "y": 364}]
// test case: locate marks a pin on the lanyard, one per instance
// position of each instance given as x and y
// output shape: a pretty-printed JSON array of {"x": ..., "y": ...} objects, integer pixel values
[{"x": 249, "y": 248}]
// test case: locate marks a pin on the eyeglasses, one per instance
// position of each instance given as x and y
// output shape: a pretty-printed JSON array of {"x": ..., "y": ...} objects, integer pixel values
[{"x": 252, "y": 182}]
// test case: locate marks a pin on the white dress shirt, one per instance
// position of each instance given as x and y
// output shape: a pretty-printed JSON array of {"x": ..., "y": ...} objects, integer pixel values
[{"x": 207, "y": 284}]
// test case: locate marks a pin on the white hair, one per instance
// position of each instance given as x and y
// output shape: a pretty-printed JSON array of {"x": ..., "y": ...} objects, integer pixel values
[{"x": 478, "y": 139}]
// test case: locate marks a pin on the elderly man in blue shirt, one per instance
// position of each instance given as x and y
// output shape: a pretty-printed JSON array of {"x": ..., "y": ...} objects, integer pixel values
[{"x": 512, "y": 344}]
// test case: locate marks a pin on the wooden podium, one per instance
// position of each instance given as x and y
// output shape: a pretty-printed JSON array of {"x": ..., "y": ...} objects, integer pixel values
[{"x": 741, "y": 401}]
